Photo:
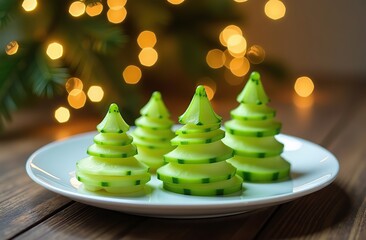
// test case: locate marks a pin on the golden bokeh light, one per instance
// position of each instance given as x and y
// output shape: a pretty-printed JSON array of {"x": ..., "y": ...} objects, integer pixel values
[
  {"x": 256, "y": 54},
  {"x": 228, "y": 58},
  {"x": 132, "y": 74},
  {"x": 29, "y": 5},
  {"x": 95, "y": 93},
  {"x": 116, "y": 4},
  {"x": 236, "y": 44},
  {"x": 117, "y": 16},
  {"x": 73, "y": 83},
  {"x": 55, "y": 50},
  {"x": 304, "y": 86},
  {"x": 94, "y": 9},
  {"x": 146, "y": 39},
  {"x": 240, "y": 1},
  {"x": 76, "y": 98},
  {"x": 175, "y": 2},
  {"x": 228, "y": 32},
  {"x": 232, "y": 79},
  {"x": 210, "y": 86},
  {"x": 77, "y": 8},
  {"x": 215, "y": 58},
  {"x": 148, "y": 56},
  {"x": 275, "y": 9},
  {"x": 12, "y": 48},
  {"x": 239, "y": 66},
  {"x": 62, "y": 114}
]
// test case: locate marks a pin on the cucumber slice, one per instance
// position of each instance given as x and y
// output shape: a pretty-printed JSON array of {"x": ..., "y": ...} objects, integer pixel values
[
  {"x": 224, "y": 187},
  {"x": 116, "y": 190},
  {"x": 198, "y": 138},
  {"x": 154, "y": 124},
  {"x": 199, "y": 111},
  {"x": 254, "y": 146},
  {"x": 261, "y": 128},
  {"x": 199, "y": 153},
  {"x": 162, "y": 135},
  {"x": 253, "y": 92},
  {"x": 113, "y": 139},
  {"x": 154, "y": 158},
  {"x": 252, "y": 112},
  {"x": 155, "y": 107},
  {"x": 113, "y": 121},
  {"x": 191, "y": 128},
  {"x": 152, "y": 145},
  {"x": 111, "y": 167},
  {"x": 112, "y": 181},
  {"x": 112, "y": 151},
  {"x": 195, "y": 173},
  {"x": 261, "y": 169}
]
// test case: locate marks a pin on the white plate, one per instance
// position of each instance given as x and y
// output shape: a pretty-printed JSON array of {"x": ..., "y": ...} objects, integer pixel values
[{"x": 312, "y": 168}]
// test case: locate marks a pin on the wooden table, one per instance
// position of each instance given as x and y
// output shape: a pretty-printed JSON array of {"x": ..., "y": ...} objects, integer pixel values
[{"x": 335, "y": 118}]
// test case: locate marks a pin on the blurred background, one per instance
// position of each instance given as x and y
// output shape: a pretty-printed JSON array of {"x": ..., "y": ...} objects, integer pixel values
[{"x": 74, "y": 58}]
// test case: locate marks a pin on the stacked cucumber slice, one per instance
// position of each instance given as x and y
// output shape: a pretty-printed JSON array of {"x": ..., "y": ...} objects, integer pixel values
[
  {"x": 197, "y": 165},
  {"x": 251, "y": 134},
  {"x": 153, "y": 133},
  {"x": 111, "y": 164}
]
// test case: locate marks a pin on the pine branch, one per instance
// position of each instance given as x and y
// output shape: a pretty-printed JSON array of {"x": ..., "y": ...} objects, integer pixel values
[{"x": 5, "y": 11}]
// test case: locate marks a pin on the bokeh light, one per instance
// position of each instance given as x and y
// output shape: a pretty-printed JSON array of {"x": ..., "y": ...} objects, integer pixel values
[
  {"x": 132, "y": 74},
  {"x": 94, "y": 9},
  {"x": 54, "y": 50},
  {"x": 95, "y": 93},
  {"x": 116, "y": 16},
  {"x": 29, "y": 5},
  {"x": 239, "y": 66},
  {"x": 116, "y": 4},
  {"x": 236, "y": 44},
  {"x": 304, "y": 86},
  {"x": 62, "y": 114},
  {"x": 215, "y": 58},
  {"x": 12, "y": 48},
  {"x": 175, "y": 2},
  {"x": 228, "y": 32},
  {"x": 275, "y": 9},
  {"x": 148, "y": 56},
  {"x": 240, "y": 1},
  {"x": 256, "y": 54},
  {"x": 146, "y": 39},
  {"x": 77, "y": 8},
  {"x": 73, "y": 83},
  {"x": 76, "y": 98}
]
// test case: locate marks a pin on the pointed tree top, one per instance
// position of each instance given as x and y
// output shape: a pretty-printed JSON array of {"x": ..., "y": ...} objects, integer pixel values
[
  {"x": 113, "y": 121},
  {"x": 155, "y": 107},
  {"x": 253, "y": 91},
  {"x": 200, "y": 111}
]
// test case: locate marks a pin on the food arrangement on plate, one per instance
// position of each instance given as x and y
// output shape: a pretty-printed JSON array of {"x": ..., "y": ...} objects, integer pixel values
[{"x": 200, "y": 158}]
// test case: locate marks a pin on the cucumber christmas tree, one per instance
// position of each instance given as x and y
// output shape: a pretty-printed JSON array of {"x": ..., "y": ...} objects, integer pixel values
[
  {"x": 153, "y": 133},
  {"x": 251, "y": 134},
  {"x": 111, "y": 164},
  {"x": 197, "y": 166}
]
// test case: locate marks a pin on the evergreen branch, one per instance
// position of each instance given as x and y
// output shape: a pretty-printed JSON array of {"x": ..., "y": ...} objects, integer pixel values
[
  {"x": 44, "y": 79},
  {"x": 5, "y": 10}
]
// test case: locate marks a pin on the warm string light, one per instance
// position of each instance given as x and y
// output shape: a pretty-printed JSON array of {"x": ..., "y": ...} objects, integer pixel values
[
  {"x": 95, "y": 93},
  {"x": 54, "y": 50},
  {"x": 240, "y": 1},
  {"x": 76, "y": 98},
  {"x": 275, "y": 9},
  {"x": 29, "y": 5},
  {"x": 304, "y": 86},
  {"x": 73, "y": 83},
  {"x": 148, "y": 56},
  {"x": 132, "y": 74},
  {"x": 175, "y": 2},
  {"x": 77, "y": 8},
  {"x": 256, "y": 54},
  {"x": 62, "y": 114},
  {"x": 146, "y": 39},
  {"x": 94, "y": 9},
  {"x": 12, "y": 48},
  {"x": 215, "y": 58},
  {"x": 117, "y": 12}
]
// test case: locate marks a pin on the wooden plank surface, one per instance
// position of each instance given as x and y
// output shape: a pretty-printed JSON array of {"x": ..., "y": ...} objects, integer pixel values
[{"x": 30, "y": 212}]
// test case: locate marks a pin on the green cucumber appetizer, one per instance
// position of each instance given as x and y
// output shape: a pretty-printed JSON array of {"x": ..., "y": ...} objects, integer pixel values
[
  {"x": 198, "y": 166},
  {"x": 251, "y": 134},
  {"x": 111, "y": 165},
  {"x": 153, "y": 133}
]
